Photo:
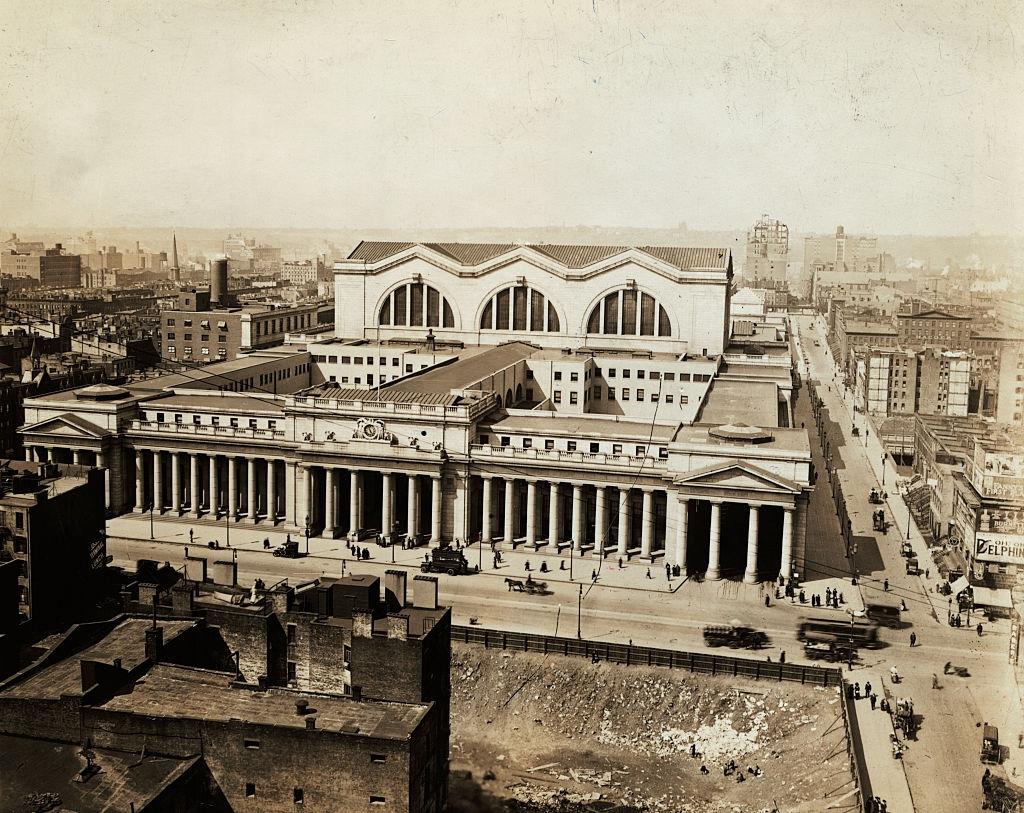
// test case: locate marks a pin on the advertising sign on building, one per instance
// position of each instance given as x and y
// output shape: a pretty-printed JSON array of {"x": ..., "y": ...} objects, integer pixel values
[{"x": 996, "y": 547}]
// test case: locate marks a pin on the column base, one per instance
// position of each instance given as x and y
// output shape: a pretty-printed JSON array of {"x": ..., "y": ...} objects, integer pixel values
[
  {"x": 712, "y": 575},
  {"x": 751, "y": 578},
  {"x": 328, "y": 533},
  {"x": 138, "y": 509}
]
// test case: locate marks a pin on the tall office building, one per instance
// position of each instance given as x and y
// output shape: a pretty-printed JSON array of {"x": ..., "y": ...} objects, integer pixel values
[{"x": 767, "y": 254}]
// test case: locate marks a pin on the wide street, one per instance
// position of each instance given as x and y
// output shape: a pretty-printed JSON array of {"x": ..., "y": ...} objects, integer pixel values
[
  {"x": 624, "y": 604},
  {"x": 942, "y": 766}
]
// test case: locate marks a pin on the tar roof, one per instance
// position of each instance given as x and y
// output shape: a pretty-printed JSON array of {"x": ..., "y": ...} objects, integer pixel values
[
  {"x": 785, "y": 440},
  {"x": 581, "y": 426},
  {"x": 177, "y": 691},
  {"x": 125, "y": 780},
  {"x": 569, "y": 256},
  {"x": 126, "y": 641},
  {"x": 751, "y": 402},
  {"x": 465, "y": 371},
  {"x": 227, "y": 401}
]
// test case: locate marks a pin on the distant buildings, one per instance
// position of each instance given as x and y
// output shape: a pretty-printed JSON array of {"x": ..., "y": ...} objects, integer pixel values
[
  {"x": 53, "y": 268},
  {"x": 767, "y": 257},
  {"x": 300, "y": 272},
  {"x": 841, "y": 252},
  {"x": 892, "y": 381}
]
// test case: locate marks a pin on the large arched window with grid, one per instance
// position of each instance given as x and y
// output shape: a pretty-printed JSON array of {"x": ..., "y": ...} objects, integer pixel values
[
  {"x": 520, "y": 307},
  {"x": 415, "y": 304},
  {"x": 629, "y": 312}
]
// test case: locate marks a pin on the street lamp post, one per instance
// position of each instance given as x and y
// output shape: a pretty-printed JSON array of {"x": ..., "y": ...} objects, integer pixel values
[
  {"x": 227, "y": 526},
  {"x": 151, "y": 521},
  {"x": 883, "y": 468},
  {"x": 306, "y": 532},
  {"x": 394, "y": 536},
  {"x": 579, "y": 614}
]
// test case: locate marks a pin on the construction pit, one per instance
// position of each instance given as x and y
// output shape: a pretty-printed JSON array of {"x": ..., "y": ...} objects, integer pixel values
[{"x": 536, "y": 733}]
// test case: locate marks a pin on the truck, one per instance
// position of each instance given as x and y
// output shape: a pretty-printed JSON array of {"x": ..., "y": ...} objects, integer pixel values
[
  {"x": 289, "y": 550},
  {"x": 446, "y": 559},
  {"x": 883, "y": 611},
  {"x": 734, "y": 636}
]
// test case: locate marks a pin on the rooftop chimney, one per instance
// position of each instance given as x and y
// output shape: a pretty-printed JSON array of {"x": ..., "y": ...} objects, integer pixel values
[
  {"x": 395, "y": 589},
  {"x": 398, "y": 627},
  {"x": 301, "y": 706},
  {"x": 154, "y": 643},
  {"x": 310, "y": 723},
  {"x": 424, "y": 592}
]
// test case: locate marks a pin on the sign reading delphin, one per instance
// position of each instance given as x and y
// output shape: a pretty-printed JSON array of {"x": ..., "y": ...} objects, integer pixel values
[{"x": 996, "y": 547}]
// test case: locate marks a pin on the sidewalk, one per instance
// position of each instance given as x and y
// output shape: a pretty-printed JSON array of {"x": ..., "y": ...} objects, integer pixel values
[{"x": 887, "y": 777}]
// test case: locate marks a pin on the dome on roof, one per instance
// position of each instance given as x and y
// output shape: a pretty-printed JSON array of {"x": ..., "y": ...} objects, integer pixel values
[
  {"x": 101, "y": 392},
  {"x": 740, "y": 433}
]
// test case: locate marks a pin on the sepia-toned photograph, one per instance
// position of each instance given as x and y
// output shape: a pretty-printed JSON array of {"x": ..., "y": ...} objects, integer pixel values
[{"x": 535, "y": 406}]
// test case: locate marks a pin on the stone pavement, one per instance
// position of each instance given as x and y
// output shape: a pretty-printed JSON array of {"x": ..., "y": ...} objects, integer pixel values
[{"x": 887, "y": 778}]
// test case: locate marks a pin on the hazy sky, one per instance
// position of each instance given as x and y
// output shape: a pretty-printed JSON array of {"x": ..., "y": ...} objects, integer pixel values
[{"x": 884, "y": 117}]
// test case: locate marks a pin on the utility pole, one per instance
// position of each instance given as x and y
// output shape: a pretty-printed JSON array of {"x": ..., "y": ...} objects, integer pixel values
[{"x": 579, "y": 614}]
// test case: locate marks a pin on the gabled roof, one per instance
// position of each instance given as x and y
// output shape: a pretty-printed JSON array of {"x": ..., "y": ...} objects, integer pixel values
[
  {"x": 568, "y": 256},
  {"x": 934, "y": 313},
  {"x": 737, "y": 475},
  {"x": 67, "y": 424}
]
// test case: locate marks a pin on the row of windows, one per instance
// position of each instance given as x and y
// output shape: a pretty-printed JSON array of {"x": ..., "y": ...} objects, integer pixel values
[
  {"x": 203, "y": 337},
  {"x": 611, "y": 372},
  {"x": 629, "y": 312},
  {"x": 416, "y": 304},
  {"x": 203, "y": 323},
  {"x": 266, "y": 327},
  {"x": 215, "y": 420},
  {"x": 594, "y": 447},
  {"x": 383, "y": 362},
  {"x": 520, "y": 308},
  {"x": 187, "y": 351}
]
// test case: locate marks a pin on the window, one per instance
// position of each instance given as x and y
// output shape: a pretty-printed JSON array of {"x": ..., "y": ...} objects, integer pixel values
[
  {"x": 641, "y": 373},
  {"x": 234, "y": 422},
  {"x": 684, "y": 376},
  {"x": 558, "y": 375},
  {"x": 205, "y": 337},
  {"x": 196, "y": 420},
  {"x": 663, "y": 452},
  {"x": 298, "y": 796},
  {"x": 170, "y": 323},
  {"x": 177, "y": 418},
  {"x": 206, "y": 351},
  {"x": 595, "y": 448},
  {"x": 669, "y": 399},
  {"x": 597, "y": 393},
  {"x": 252, "y": 423},
  {"x": 527, "y": 443},
  {"x": 159, "y": 417},
  {"x": 394, "y": 361},
  {"x": 574, "y": 397},
  {"x": 378, "y": 759},
  {"x": 170, "y": 337},
  {"x": 625, "y": 393},
  {"x": 616, "y": 448},
  {"x": 529, "y": 375},
  {"x": 187, "y": 322},
  {"x": 205, "y": 324},
  {"x": 250, "y": 790},
  {"x": 557, "y": 397},
  {"x": 611, "y": 393},
  {"x": 415, "y": 304},
  {"x": 611, "y": 372},
  {"x": 369, "y": 379},
  {"x": 655, "y": 397},
  {"x": 505, "y": 440},
  {"x": 188, "y": 337},
  {"x": 574, "y": 376},
  {"x": 655, "y": 375},
  {"x": 485, "y": 439},
  {"x": 641, "y": 451},
  {"x": 626, "y": 373},
  {"x": 251, "y": 744},
  {"x": 629, "y": 312},
  {"x": 383, "y": 362},
  {"x": 549, "y": 444},
  {"x": 222, "y": 340},
  {"x": 520, "y": 308},
  {"x": 571, "y": 445},
  {"x": 683, "y": 399},
  {"x": 170, "y": 349},
  {"x": 639, "y": 395},
  {"x": 408, "y": 368}
]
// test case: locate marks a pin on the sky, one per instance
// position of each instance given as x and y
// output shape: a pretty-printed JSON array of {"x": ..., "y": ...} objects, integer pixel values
[{"x": 886, "y": 117}]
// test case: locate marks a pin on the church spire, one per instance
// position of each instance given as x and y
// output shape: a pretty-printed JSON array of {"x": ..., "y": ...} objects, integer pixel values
[{"x": 175, "y": 270}]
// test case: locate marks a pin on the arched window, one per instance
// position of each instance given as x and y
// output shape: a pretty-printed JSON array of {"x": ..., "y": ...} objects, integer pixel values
[
  {"x": 520, "y": 308},
  {"x": 629, "y": 312},
  {"x": 416, "y": 304}
]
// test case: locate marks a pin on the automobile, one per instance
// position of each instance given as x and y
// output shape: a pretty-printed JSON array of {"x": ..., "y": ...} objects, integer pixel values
[
  {"x": 913, "y": 568},
  {"x": 990, "y": 751},
  {"x": 446, "y": 559},
  {"x": 883, "y": 611},
  {"x": 289, "y": 550},
  {"x": 735, "y": 636},
  {"x": 827, "y": 648},
  {"x": 906, "y": 549}
]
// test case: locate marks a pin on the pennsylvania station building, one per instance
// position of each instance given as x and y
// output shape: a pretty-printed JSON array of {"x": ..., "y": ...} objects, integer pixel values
[{"x": 602, "y": 399}]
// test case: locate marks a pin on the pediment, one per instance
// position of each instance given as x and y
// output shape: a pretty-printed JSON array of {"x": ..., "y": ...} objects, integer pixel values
[
  {"x": 742, "y": 476},
  {"x": 66, "y": 426}
]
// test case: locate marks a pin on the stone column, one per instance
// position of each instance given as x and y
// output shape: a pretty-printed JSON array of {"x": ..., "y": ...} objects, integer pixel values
[
  {"x": 232, "y": 495},
  {"x": 714, "y": 550},
  {"x": 307, "y": 496},
  {"x": 353, "y": 503},
  {"x": 158, "y": 481},
  {"x": 193, "y": 484},
  {"x": 753, "y": 523},
  {"x": 577, "y": 516},
  {"x": 647, "y": 524},
  {"x": 435, "y": 509},
  {"x": 330, "y": 499},
  {"x": 290, "y": 476},
  {"x": 682, "y": 531},
  {"x": 485, "y": 520},
  {"x": 510, "y": 493},
  {"x": 411, "y": 526},
  {"x": 624, "y": 512},
  {"x": 786, "y": 563},
  {"x": 176, "y": 483},
  {"x": 140, "y": 481},
  {"x": 553, "y": 515},
  {"x": 76, "y": 457},
  {"x": 600, "y": 510},
  {"x": 386, "y": 498},
  {"x": 252, "y": 506},
  {"x": 214, "y": 487},
  {"x": 531, "y": 512},
  {"x": 272, "y": 492},
  {"x": 30, "y": 454}
]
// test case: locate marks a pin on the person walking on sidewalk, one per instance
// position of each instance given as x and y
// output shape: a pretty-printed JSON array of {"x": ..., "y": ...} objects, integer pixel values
[
  {"x": 894, "y": 675},
  {"x": 913, "y": 639},
  {"x": 885, "y": 585}
]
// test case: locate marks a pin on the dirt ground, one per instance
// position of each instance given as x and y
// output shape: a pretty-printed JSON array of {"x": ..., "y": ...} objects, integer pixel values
[{"x": 536, "y": 733}]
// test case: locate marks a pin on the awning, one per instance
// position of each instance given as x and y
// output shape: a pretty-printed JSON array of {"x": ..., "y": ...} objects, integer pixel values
[
  {"x": 988, "y": 597},
  {"x": 957, "y": 587}
]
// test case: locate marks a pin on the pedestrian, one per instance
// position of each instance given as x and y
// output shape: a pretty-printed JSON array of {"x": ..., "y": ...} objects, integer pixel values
[
  {"x": 668, "y": 571},
  {"x": 767, "y": 601},
  {"x": 927, "y": 573},
  {"x": 782, "y": 656},
  {"x": 874, "y": 699},
  {"x": 620, "y": 563},
  {"x": 884, "y": 808},
  {"x": 913, "y": 639},
  {"x": 649, "y": 576},
  {"x": 828, "y": 595},
  {"x": 856, "y": 691},
  {"x": 979, "y": 630},
  {"x": 191, "y": 535},
  {"x": 494, "y": 562},
  {"x": 885, "y": 585},
  {"x": 894, "y": 675},
  {"x": 526, "y": 565},
  {"x": 903, "y": 606},
  {"x": 867, "y": 688},
  {"x": 593, "y": 575},
  {"x": 803, "y": 598},
  {"x": 935, "y": 681}
]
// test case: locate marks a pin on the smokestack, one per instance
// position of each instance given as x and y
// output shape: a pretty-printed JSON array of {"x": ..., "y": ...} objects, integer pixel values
[{"x": 219, "y": 282}]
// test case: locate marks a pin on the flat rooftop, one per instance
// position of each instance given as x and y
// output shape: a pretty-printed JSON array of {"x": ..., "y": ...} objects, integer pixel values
[
  {"x": 785, "y": 440},
  {"x": 226, "y": 401},
  {"x": 602, "y": 427},
  {"x": 177, "y": 691},
  {"x": 126, "y": 641},
  {"x": 39, "y": 766},
  {"x": 754, "y": 403}
]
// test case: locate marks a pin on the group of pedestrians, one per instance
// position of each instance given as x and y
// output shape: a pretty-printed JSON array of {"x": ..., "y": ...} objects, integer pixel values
[{"x": 358, "y": 552}]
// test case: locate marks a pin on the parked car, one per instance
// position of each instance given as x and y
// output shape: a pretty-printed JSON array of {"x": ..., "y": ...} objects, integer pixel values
[{"x": 734, "y": 636}]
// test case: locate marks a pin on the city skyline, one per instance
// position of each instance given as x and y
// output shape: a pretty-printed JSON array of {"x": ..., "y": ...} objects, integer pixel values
[{"x": 254, "y": 117}]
